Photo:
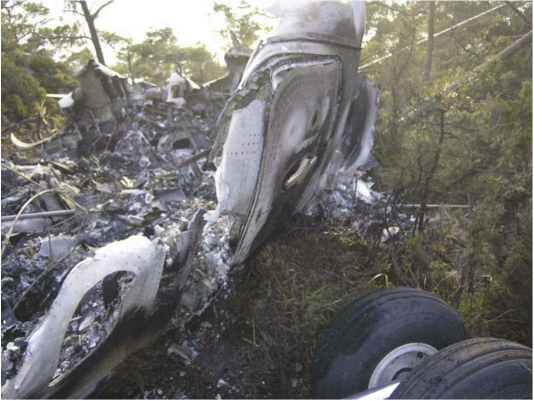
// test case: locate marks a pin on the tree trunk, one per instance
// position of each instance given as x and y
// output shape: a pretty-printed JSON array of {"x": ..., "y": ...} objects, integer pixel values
[
  {"x": 428, "y": 181},
  {"x": 94, "y": 37},
  {"x": 430, "y": 43},
  {"x": 130, "y": 67}
]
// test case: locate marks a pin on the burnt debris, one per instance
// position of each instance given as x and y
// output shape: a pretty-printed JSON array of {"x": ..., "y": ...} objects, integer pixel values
[
  {"x": 130, "y": 218},
  {"x": 126, "y": 164}
]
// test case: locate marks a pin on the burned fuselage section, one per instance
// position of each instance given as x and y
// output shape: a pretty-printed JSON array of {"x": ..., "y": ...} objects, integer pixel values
[
  {"x": 301, "y": 113},
  {"x": 300, "y": 116}
]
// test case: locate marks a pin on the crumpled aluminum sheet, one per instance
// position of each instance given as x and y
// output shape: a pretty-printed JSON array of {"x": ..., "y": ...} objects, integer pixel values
[{"x": 136, "y": 254}]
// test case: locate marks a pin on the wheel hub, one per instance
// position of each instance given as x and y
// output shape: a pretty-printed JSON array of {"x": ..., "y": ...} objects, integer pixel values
[{"x": 399, "y": 363}]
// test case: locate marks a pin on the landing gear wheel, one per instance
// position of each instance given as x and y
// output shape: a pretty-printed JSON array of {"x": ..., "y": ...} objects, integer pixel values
[
  {"x": 381, "y": 337},
  {"x": 481, "y": 368}
]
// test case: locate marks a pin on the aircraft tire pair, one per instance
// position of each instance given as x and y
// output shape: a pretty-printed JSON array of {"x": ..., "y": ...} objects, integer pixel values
[{"x": 410, "y": 335}]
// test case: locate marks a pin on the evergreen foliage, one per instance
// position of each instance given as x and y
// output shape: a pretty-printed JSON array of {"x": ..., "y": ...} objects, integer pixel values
[
  {"x": 159, "y": 54},
  {"x": 28, "y": 68},
  {"x": 242, "y": 26},
  {"x": 473, "y": 145}
]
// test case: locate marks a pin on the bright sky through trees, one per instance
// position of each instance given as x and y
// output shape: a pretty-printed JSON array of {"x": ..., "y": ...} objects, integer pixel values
[{"x": 191, "y": 21}]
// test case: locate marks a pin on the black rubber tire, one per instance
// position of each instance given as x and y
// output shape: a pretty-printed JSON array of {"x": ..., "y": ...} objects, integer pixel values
[
  {"x": 481, "y": 368},
  {"x": 368, "y": 328}
]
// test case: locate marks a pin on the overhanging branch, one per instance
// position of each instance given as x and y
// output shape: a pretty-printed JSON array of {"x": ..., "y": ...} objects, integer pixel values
[
  {"x": 516, "y": 10},
  {"x": 95, "y": 15},
  {"x": 61, "y": 37}
]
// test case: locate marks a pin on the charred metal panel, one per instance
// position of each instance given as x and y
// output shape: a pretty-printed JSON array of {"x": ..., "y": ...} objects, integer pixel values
[
  {"x": 300, "y": 120},
  {"x": 237, "y": 175},
  {"x": 136, "y": 254}
]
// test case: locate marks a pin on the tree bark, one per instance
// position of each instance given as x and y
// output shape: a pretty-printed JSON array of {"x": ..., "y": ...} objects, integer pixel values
[
  {"x": 429, "y": 43},
  {"x": 94, "y": 36}
]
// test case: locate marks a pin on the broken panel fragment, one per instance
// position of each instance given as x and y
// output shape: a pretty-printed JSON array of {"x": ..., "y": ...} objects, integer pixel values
[{"x": 137, "y": 255}]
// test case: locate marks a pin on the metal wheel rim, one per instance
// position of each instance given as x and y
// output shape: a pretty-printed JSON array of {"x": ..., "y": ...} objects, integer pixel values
[{"x": 400, "y": 362}]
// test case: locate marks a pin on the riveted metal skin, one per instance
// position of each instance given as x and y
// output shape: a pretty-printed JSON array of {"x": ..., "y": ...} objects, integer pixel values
[{"x": 318, "y": 116}]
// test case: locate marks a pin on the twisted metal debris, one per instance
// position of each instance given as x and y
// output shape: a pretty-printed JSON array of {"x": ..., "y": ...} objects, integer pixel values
[{"x": 300, "y": 115}]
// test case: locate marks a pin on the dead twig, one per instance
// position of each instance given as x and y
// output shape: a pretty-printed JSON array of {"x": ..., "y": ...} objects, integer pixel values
[
  {"x": 6, "y": 241},
  {"x": 56, "y": 37},
  {"x": 23, "y": 122},
  {"x": 95, "y": 14},
  {"x": 66, "y": 220},
  {"x": 85, "y": 211},
  {"x": 496, "y": 318},
  {"x": 44, "y": 273}
]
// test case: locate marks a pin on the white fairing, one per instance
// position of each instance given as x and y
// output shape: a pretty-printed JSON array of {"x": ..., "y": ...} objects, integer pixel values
[
  {"x": 312, "y": 106},
  {"x": 136, "y": 254}
]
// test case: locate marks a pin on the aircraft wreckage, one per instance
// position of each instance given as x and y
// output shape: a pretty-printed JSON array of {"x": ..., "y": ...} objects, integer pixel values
[{"x": 295, "y": 130}]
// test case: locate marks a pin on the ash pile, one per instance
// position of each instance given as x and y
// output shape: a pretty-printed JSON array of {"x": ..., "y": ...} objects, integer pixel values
[{"x": 128, "y": 161}]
